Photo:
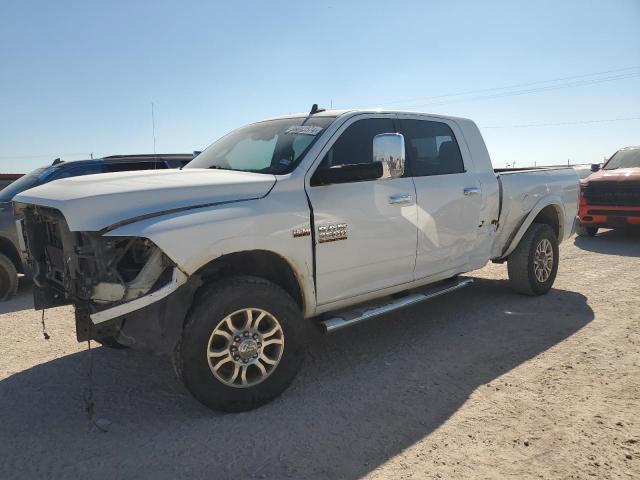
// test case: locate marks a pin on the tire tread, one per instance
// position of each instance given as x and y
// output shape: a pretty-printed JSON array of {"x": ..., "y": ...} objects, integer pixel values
[{"x": 520, "y": 275}]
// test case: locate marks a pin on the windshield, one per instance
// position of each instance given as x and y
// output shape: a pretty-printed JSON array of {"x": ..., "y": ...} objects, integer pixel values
[
  {"x": 624, "y": 159},
  {"x": 25, "y": 182},
  {"x": 273, "y": 146}
]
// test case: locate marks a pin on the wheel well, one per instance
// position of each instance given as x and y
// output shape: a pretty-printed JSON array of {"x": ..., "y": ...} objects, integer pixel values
[
  {"x": 7, "y": 248},
  {"x": 257, "y": 263},
  {"x": 549, "y": 216}
]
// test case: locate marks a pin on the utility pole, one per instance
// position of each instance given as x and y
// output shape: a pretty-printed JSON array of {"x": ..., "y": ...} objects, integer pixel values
[{"x": 153, "y": 127}]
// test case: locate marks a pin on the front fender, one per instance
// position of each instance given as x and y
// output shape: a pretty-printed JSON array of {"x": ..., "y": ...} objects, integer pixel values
[{"x": 195, "y": 238}]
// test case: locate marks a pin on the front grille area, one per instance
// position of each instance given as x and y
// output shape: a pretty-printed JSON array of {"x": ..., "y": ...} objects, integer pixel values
[
  {"x": 613, "y": 193},
  {"x": 48, "y": 243}
]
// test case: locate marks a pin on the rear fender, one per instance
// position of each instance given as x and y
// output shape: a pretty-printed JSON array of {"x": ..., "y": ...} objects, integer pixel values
[{"x": 551, "y": 200}]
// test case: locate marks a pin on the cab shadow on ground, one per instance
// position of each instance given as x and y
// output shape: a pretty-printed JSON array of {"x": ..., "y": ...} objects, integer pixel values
[
  {"x": 363, "y": 396},
  {"x": 612, "y": 242}
]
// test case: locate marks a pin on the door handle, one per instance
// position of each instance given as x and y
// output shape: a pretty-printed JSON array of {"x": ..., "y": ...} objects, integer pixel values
[
  {"x": 400, "y": 199},
  {"x": 471, "y": 191}
]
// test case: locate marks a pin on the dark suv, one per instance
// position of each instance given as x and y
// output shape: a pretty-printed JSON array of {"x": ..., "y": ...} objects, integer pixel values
[{"x": 11, "y": 262}]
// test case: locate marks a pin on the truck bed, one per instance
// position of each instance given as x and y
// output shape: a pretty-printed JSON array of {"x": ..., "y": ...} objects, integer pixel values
[{"x": 521, "y": 190}]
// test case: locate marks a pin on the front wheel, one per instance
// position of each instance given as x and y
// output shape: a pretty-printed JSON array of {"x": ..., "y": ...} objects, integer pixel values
[
  {"x": 533, "y": 265},
  {"x": 241, "y": 345}
]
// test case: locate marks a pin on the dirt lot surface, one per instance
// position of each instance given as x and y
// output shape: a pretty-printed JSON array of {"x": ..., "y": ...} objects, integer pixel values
[{"x": 483, "y": 383}]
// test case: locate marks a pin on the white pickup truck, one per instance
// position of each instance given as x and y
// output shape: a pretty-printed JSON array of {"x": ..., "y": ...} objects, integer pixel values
[{"x": 314, "y": 221}]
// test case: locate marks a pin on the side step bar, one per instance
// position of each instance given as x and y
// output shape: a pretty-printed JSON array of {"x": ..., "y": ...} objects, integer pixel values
[{"x": 351, "y": 317}]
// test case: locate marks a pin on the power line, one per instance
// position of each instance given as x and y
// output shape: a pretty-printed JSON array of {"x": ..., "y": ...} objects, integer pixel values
[
  {"x": 532, "y": 90},
  {"x": 507, "y": 87},
  {"x": 556, "y": 124}
]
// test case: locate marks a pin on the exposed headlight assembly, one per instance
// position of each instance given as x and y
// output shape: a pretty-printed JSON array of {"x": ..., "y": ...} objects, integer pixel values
[{"x": 136, "y": 265}]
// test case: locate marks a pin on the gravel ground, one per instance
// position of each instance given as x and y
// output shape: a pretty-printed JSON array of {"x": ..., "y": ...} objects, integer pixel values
[{"x": 483, "y": 383}]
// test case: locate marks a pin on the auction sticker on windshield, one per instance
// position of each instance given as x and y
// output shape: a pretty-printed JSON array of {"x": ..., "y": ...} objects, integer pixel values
[{"x": 304, "y": 129}]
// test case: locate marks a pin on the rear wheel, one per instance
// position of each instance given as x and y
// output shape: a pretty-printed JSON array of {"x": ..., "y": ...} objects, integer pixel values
[
  {"x": 8, "y": 278},
  {"x": 584, "y": 231},
  {"x": 533, "y": 265},
  {"x": 241, "y": 345}
]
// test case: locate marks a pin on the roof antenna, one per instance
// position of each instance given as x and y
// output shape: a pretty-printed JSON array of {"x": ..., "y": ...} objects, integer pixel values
[
  {"x": 315, "y": 109},
  {"x": 56, "y": 161}
]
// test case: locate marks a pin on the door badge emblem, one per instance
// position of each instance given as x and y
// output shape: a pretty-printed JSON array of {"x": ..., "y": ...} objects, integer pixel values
[{"x": 332, "y": 233}]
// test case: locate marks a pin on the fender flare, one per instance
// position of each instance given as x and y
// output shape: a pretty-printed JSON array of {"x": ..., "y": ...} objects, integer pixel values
[{"x": 550, "y": 200}]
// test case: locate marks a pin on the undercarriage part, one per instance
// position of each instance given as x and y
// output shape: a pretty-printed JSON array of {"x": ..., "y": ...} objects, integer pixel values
[
  {"x": 85, "y": 330},
  {"x": 155, "y": 328},
  {"x": 47, "y": 297},
  {"x": 158, "y": 326}
]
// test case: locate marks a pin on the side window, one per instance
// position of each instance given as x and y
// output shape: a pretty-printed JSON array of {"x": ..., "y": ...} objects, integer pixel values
[
  {"x": 355, "y": 145},
  {"x": 129, "y": 166},
  {"x": 432, "y": 148}
]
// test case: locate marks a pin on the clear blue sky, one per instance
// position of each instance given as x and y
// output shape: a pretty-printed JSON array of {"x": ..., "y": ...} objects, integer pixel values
[{"x": 79, "y": 76}]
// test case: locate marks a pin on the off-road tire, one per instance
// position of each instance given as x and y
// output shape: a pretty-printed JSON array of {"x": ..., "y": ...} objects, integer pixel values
[
  {"x": 584, "y": 231},
  {"x": 520, "y": 263},
  {"x": 212, "y": 303},
  {"x": 8, "y": 278}
]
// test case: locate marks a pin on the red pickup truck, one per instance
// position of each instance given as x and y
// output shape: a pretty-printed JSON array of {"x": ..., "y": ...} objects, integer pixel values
[{"x": 610, "y": 197}]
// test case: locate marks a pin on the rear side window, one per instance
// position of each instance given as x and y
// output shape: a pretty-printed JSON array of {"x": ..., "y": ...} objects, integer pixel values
[
  {"x": 129, "y": 166},
  {"x": 432, "y": 148},
  {"x": 355, "y": 145}
]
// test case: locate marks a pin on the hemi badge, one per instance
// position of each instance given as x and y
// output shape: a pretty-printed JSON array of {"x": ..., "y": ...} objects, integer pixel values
[{"x": 301, "y": 232}]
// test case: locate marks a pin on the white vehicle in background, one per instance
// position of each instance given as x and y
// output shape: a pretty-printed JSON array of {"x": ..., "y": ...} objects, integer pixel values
[{"x": 291, "y": 224}]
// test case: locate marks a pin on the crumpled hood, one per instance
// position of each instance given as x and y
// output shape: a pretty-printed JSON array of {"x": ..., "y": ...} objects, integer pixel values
[
  {"x": 617, "y": 175},
  {"x": 95, "y": 202}
]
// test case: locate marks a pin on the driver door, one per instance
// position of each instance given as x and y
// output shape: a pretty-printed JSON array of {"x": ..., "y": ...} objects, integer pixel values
[{"x": 365, "y": 231}]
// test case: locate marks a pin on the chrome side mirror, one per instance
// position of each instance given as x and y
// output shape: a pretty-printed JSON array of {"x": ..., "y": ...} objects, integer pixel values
[{"x": 388, "y": 149}]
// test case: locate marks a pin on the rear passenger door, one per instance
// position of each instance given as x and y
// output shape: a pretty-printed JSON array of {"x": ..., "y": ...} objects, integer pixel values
[{"x": 448, "y": 197}]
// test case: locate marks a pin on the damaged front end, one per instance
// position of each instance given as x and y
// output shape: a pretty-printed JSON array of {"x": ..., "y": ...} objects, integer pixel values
[{"x": 122, "y": 287}]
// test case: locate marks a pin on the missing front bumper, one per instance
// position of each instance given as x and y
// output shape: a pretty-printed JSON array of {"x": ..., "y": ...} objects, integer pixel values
[
  {"x": 155, "y": 326},
  {"x": 178, "y": 279}
]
